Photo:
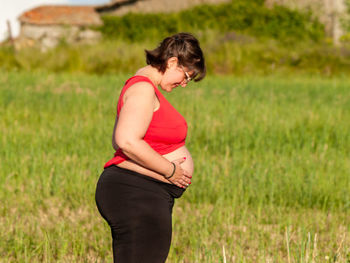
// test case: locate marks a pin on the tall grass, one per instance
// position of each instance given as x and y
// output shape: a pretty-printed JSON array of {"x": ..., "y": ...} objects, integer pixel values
[{"x": 271, "y": 177}]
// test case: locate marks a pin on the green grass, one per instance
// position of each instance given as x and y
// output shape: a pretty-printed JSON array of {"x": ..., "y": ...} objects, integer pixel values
[{"x": 271, "y": 180}]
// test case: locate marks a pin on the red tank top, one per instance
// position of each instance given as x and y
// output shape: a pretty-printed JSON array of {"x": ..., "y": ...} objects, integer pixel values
[{"x": 167, "y": 130}]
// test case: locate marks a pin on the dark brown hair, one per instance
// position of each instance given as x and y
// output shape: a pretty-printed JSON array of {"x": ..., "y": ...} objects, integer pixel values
[{"x": 185, "y": 47}]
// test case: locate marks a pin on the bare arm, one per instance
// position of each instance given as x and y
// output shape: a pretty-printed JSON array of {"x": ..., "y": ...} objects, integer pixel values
[{"x": 134, "y": 119}]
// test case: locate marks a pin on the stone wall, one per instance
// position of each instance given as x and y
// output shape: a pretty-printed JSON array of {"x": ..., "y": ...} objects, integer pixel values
[{"x": 48, "y": 36}]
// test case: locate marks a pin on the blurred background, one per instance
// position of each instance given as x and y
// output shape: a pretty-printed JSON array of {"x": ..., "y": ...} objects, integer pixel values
[
  {"x": 239, "y": 37},
  {"x": 268, "y": 128}
]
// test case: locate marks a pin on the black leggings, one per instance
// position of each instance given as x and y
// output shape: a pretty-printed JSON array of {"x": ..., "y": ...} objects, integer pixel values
[{"x": 138, "y": 209}]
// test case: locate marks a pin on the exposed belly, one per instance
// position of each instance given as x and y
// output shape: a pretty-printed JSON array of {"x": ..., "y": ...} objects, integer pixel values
[{"x": 177, "y": 154}]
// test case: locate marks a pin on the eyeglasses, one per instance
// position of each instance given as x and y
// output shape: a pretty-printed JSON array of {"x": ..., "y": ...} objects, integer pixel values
[{"x": 188, "y": 78}]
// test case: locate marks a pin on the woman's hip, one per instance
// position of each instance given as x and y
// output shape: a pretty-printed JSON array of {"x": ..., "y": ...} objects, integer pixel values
[
  {"x": 115, "y": 177},
  {"x": 128, "y": 202}
]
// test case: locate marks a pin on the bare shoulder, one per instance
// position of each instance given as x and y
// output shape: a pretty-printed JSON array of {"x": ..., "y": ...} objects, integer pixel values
[{"x": 143, "y": 88}]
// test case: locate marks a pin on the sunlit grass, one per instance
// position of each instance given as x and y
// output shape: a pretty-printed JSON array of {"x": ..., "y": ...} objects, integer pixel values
[{"x": 271, "y": 177}]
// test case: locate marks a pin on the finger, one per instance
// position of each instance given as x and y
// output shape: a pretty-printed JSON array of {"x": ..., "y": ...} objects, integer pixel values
[
  {"x": 180, "y": 183},
  {"x": 180, "y": 160},
  {"x": 186, "y": 180},
  {"x": 177, "y": 184},
  {"x": 187, "y": 174},
  {"x": 186, "y": 185}
]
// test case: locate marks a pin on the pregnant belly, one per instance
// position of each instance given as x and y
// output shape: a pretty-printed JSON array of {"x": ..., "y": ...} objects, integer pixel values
[
  {"x": 181, "y": 153},
  {"x": 177, "y": 154}
]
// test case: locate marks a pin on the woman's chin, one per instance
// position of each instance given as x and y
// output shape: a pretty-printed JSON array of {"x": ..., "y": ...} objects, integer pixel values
[
  {"x": 166, "y": 88},
  {"x": 169, "y": 89}
]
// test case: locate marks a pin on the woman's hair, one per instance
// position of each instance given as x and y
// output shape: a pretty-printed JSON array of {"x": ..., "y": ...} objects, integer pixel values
[{"x": 185, "y": 47}]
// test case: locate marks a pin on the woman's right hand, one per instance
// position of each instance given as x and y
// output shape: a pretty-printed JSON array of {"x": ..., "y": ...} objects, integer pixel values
[{"x": 181, "y": 177}]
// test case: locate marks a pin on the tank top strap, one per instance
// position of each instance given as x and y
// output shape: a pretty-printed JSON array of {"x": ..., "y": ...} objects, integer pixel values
[
  {"x": 139, "y": 78},
  {"x": 131, "y": 81}
]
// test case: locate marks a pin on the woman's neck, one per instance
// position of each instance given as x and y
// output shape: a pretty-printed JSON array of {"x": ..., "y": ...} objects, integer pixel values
[{"x": 152, "y": 73}]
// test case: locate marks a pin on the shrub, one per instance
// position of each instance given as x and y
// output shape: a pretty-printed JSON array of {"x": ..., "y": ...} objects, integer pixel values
[
  {"x": 250, "y": 17},
  {"x": 346, "y": 19}
]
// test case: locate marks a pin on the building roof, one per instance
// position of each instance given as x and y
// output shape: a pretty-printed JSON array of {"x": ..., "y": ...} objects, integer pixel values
[{"x": 62, "y": 15}]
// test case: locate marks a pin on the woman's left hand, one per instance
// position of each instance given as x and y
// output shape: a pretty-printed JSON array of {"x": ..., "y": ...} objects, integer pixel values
[{"x": 181, "y": 177}]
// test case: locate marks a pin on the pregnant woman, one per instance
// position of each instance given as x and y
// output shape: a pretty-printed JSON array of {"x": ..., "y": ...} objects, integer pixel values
[{"x": 151, "y": 166}]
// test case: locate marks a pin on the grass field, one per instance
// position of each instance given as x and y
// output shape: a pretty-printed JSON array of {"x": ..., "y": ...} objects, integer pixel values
[{"x": 271, "y": 182}]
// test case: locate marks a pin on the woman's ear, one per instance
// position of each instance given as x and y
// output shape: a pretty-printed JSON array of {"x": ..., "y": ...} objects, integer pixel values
[{"x": 172, "y": 62}]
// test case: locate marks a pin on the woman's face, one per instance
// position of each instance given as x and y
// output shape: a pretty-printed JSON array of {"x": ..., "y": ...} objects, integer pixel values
[{"x": 174, "y": 76}]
